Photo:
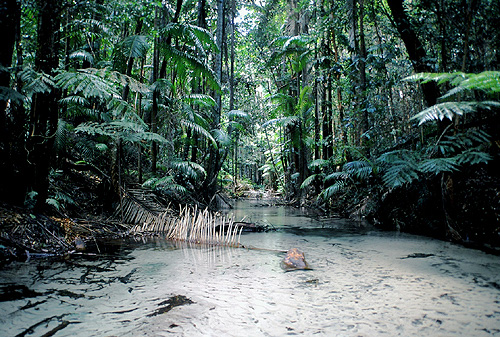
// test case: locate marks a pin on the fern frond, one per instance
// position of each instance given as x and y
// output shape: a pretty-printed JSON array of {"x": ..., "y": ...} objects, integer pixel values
[
  {"x": 401, "y": 172},
  {"x": 440, "y": 78},
  {"x": 64, "y": 198},
  {"x": 35, "y": 82},
  {"x": 74, "y": 99},
  {"x": 62, "y": 139},
  {"x": 8, "y": 94},
  {"x": 54, "y": 203},
  {"x": 438, "y": 165},
  {"x": 444, "y": 110},
  {"x": 118, "y": 78},
  {"x": 86, "y": 84},
  {"x": 487, "y": 81},
  {"x": 473, "y": 157}
]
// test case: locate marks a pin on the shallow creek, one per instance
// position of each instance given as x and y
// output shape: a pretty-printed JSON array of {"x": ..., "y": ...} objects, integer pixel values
[{"x": 363, "y": 283}]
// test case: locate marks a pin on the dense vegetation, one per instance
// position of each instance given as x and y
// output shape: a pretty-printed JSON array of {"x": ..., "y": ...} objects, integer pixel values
[{"x": 385, "y": 109}]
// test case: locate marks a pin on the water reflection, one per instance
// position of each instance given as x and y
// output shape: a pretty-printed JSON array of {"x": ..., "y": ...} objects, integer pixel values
[{"x": 373, "y": 284}]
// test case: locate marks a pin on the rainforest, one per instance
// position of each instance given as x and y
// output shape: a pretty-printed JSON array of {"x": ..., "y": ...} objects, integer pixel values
[
  {"x": 158, "y": 159},
  {"x": 384, "y": 111}
]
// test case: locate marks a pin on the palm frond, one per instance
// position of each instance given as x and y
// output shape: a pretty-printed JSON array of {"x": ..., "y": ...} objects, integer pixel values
[
  {"x": 82, "y": 55},
  {"x": 135, "y": 46},
  {"x": 311, "y": 179},
  {"x": 318, "y": 163},
  {"x": 200, "y": 130},
  {"x": 330, "y": 191},
  {"x": 189, "y": 169},
  {"x": 200, "y": 100},
  {"x": 335, "y": 176},
  {"x": 237, "y": 114},
  {"x": 199, "y": 66}
]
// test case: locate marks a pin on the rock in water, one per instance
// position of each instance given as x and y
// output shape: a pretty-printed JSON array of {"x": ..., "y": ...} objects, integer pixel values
[{"x": 294, "y": 260}]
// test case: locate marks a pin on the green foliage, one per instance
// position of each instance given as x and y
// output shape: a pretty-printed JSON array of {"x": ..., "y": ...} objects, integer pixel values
[
  {"x": 35, "y": 82},
  {"x": 166, "y": 184},
  {"x": 135, "y": 46},
  {"x": 487, "y": 82}
]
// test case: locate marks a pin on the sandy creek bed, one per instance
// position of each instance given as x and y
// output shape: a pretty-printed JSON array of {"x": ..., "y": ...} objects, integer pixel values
[{"x": 363, "y": 283}]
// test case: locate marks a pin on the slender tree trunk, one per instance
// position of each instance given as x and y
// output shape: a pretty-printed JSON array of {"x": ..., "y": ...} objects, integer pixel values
[
  {"x": 231, "y": 92},
  {"x": 215, "y": 156},
  {"x": 44, "y": 108},
  {"x": 130, "y": 62},
  {"x": 362, "y": 72},
  {"x": 156, "y": 96}
]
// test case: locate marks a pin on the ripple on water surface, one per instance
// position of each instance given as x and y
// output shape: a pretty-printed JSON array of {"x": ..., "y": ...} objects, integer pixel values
[{"x": 375, "y": 284}]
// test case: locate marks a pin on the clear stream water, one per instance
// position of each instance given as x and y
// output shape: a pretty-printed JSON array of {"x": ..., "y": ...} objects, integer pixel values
[{"x": 363, "y": 283}]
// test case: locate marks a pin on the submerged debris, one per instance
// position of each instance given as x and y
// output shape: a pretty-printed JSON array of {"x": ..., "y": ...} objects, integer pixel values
[
  {"x": 171, "y": 303},
  {"x": 294, "y": 260},
  {"x": 417, "y": 256}
]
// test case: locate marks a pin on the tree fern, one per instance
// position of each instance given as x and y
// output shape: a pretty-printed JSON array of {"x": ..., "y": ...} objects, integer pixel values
[
  {"x": 438, "y": 165},
  {"x": 35, "y": 82},
  {"x": 449, "y": 110},
  {"x": 8, "y": 94},
  {"x": 488, "y": 82},
  {"x": 62, "y": 139}
]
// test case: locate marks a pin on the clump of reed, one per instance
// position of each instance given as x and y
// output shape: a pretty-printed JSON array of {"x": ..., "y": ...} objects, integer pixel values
[{"x": 194, "y": 226}]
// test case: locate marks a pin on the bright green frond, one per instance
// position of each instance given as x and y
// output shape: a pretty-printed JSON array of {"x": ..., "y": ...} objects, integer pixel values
[{"x": 200, "y": 130}]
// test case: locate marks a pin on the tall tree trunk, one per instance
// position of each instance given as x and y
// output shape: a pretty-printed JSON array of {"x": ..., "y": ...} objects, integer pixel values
[
  {"x": 130, "y": 62},
  {"x": 10, "y": 140},
  {"x": 44, "y": 107},
  {"x": 215, "y": 156},
  {"x": 364, "y": 123},
  {"x": 414, "y": 47},
  {"x": 231, "y": 92},
  {"x": 340, "y": 106},
  {"x": 156, "y": 95}
]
